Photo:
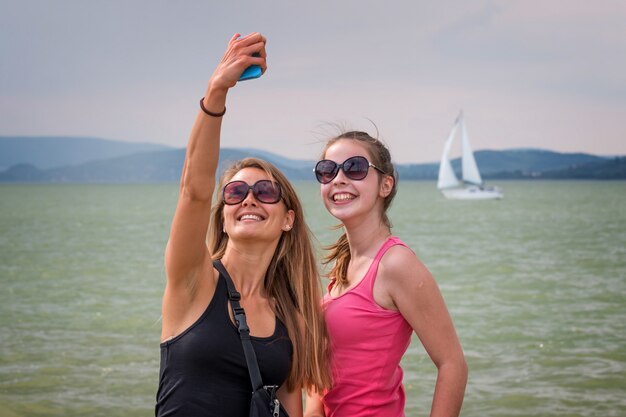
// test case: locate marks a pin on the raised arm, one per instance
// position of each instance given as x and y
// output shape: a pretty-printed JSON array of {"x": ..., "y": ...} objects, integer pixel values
[
  {"x": 416, "y": 295},
  {"x": 186, "y": 251}
]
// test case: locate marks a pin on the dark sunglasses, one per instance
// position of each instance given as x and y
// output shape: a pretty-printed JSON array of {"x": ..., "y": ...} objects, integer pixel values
[
  {"x": 265, "y": 191},
  {"x": 355, "y": 168}
]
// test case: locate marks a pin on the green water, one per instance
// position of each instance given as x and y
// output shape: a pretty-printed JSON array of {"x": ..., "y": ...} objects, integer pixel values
[{"x": 536, "y": 285}]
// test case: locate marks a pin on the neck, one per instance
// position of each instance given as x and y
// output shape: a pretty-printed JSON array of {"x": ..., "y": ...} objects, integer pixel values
[
  {"x": 247, "y": 264},
  {"x": 366, "y": 236}
]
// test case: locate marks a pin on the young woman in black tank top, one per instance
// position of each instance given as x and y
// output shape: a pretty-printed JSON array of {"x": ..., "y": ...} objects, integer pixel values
[{"x": 256, "y": 227}]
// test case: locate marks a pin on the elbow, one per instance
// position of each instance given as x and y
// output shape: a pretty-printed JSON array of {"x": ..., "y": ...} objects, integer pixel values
[
  {"x": 456, "y": 368},
  {"x": 194, "y": 189},
  {"x": 463, "y": 368},
  {"x": 196, "y": 194},
  {"x": 460, "y": 365}
]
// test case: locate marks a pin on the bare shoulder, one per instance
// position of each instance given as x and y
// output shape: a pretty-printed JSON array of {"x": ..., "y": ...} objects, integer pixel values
[
  {"x": 404, "y": 280},
  {"x": 413, "y": 290},
  {"x": 400, "y": 265}
]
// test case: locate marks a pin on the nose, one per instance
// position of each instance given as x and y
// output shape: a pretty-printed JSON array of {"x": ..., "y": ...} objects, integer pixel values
[
  {"x": 249, "y": 200},
  {"x": 340, "y": 178}
]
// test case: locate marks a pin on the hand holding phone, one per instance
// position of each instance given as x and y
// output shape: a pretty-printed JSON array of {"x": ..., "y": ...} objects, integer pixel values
[{"x": 252, "y": 72}]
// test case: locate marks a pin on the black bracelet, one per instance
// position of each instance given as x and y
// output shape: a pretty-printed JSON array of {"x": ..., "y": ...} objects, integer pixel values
[{"x": 210, "y": 113}]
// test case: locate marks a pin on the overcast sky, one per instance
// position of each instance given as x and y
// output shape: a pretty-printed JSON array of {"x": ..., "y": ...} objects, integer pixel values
[{"x": 541, "y": 74}]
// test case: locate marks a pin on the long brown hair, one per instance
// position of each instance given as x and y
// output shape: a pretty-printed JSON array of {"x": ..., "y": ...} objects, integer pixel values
[
  {"x": 292, "y": 280},
  {"x": 339, "y": 252}
]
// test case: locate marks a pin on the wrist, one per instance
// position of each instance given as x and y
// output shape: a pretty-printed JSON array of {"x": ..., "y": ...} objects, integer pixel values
[
  {"x": 214, "y": 100},
  {"x": 209, "y": 112},
  {"x": 217, "y": 89}
]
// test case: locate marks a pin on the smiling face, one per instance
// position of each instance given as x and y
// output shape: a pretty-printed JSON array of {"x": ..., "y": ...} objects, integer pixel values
[
  {"x": 349, "y": 200},
  {"x": 252, "y": 219}
]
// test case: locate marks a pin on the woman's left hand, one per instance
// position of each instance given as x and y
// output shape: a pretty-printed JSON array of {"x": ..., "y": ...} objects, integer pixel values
[{"x": 238, "y": 57}]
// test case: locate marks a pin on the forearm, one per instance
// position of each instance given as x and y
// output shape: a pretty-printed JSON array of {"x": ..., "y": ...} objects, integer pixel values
[
  {"x": 313, "y": 406},
  {"x": 198, "y": 178},
  {"x": 449, "y": 389}
]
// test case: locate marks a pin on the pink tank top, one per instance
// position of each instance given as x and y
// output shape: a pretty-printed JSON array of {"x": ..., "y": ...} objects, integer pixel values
[{"x": 367, "y": 343}]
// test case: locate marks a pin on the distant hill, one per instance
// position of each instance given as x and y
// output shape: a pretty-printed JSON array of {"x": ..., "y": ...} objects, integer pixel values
[
  {"x": 530, "y": 161},
  {"x": 163, "y": 165},
  {"x": 516, "y": 163},
  {"x": 160, "y": 166},
  {"x": 607, "y": 169},
  {"x": 418, "y": 171},
  {"x": 55, "y": 151},
  {"x": 279, "y": 160}
]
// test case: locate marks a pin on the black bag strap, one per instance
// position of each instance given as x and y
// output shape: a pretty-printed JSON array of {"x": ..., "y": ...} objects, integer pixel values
[{"x": 244, "y": 332}]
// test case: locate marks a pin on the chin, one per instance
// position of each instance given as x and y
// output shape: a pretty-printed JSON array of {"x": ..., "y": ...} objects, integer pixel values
[
  {"x": 254, "y": 235},
  {"x": 340, "y": 213}
]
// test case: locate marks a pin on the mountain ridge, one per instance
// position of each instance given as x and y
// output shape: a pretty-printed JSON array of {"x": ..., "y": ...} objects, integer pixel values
[
  {"x": 132, "y": 162},
  {"x": 55, "y": 151}
]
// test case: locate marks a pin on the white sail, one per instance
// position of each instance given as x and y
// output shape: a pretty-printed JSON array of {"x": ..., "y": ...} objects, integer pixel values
[
  {"x": 470, "y": 169},
  {"x": 471, "y": 188},
  {"x": 447, "y": 178}
]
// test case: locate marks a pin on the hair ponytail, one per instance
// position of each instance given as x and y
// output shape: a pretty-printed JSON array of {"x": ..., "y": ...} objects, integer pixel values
[{"x": 339, "y": 256}]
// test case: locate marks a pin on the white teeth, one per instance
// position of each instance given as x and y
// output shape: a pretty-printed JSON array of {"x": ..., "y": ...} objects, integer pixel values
[
  {"x": 343, "y": 197},
  {"x": 251, "y": 217}
]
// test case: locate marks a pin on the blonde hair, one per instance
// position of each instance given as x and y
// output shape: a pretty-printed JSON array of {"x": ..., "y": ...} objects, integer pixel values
[
  {"x": 292, "y": 280},
  {"x": 339, "y": 252}
]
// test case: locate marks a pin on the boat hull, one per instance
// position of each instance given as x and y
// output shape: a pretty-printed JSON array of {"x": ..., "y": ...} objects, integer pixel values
[{"x": 473, "y": 193}]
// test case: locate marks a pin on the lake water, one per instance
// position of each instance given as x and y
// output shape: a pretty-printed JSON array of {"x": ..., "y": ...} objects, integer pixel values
[{"x": 536, "y": 285}]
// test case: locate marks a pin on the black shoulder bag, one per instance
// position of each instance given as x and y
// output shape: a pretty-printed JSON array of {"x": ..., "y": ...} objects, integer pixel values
[{"x": 264, "y": 402}]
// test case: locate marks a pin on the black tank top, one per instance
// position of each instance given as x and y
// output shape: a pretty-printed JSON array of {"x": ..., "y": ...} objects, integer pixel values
[{"x": 203, "y": 370}]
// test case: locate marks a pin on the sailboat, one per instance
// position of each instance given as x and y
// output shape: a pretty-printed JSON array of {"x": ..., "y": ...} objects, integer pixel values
[{"x": 472, "y": 186}]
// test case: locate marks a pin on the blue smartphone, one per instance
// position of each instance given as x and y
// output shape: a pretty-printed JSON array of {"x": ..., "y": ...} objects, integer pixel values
[{"x": 253, "y": 71}]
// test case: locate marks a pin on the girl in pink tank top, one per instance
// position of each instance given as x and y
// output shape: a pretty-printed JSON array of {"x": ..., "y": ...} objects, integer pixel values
[{"x": 379, "y": 294}]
